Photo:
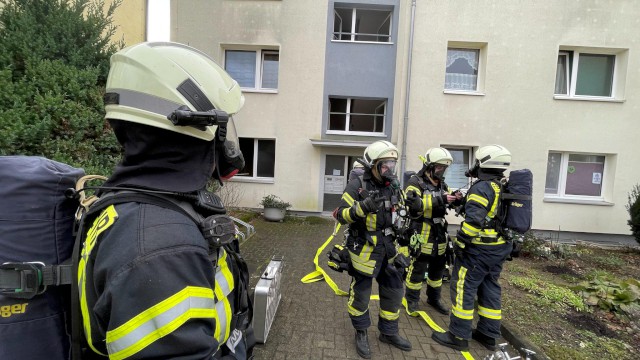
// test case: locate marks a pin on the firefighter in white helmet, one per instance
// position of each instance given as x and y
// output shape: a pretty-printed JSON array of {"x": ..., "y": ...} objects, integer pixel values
[
  {"x": 366, "y": 206},
  {"x": 428, "y": 197},
  {"x": 480, "y": 253},
  {"x": 150, "y": 284}
]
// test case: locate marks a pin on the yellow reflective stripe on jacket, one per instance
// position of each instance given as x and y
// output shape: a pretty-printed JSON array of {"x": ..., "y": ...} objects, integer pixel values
[
  {"x": 347, "y": 216},
  {"x": 389, "y": 315},
  {"x": 411, "y": 187},
  {"x": 223, "y": 287},
  {"x": 495, "y": 314},
  {"x": 100, "y": 224},
  {"x": 346, "y": 197},
  {"x": 479, "y": 199},
  {"x": 470, "y": 230},
  {"x": 496, "y": 190},
  {"x": 371, "y": 222},
  {"x": 160, "y": 320},
  {"x": 427, "y": 206}
]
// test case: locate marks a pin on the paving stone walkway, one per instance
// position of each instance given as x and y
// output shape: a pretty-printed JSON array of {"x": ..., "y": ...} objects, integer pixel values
[{"x": 312, "y": 322}]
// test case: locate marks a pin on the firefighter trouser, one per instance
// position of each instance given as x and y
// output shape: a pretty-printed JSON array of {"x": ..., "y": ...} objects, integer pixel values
[
  {"x": 390, "y": 287},
  {"x": 434, "y": 264},
  {"x": 476, "y": 272}
]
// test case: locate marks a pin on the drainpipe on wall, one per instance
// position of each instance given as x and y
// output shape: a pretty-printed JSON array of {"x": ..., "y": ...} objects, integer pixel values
[{"x": 405, "y": 122}]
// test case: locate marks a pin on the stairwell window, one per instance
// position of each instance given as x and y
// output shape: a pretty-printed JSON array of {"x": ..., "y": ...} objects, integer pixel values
[
  {"x": 254, "y": 69},
  {"x": 356, "y": 116},
  {"x": 575, "y": 175},
  {"x": 361, "y": 25},
  {"x": 259, "y": 158},
  {"x": 590, "y": 74}
]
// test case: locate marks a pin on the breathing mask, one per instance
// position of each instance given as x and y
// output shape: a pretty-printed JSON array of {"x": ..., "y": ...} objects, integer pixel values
[{"x": 387, "y": 170}]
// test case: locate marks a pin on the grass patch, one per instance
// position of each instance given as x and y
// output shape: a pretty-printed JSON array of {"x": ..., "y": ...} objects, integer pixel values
[{"x": 549, "y": 294}]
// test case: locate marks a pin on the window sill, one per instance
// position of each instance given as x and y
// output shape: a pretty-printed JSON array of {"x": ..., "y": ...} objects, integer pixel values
[
  {"x": 354, "y": 133},
  {"x": 362, "y": 42},
  {"x": 257, "y": 180},
  {"x": 587, "y": 98},
  {"x": 259, "y": 91},
  {"x": 463, "y": 92},
  {"x": 577, "y": 201}
]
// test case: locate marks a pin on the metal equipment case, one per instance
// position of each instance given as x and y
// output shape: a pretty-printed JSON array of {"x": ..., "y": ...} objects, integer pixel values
[{"x": 267, "y": 298}]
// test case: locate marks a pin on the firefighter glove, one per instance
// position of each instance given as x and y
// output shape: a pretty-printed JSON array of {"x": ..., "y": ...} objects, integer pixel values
[
  {"x": 369, "y": 205},
  {"x": 413, "y": 202}
]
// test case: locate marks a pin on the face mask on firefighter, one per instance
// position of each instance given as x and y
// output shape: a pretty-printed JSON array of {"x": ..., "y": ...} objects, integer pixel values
[
  {"x": 438, "y": 171},
  {"x": 229, "y": 158}
]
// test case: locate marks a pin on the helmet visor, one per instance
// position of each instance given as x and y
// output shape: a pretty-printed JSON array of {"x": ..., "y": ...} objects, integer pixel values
[
  {"x": 439, "y": 170},
  {"x": 388, "y": 167}
]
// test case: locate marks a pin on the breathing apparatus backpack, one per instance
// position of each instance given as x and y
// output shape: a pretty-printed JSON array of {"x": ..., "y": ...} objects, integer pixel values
[
  {"x": 38, "y": 294},
  {"x": 36, "y": 222},
  {"x": 516, "y": 210}
]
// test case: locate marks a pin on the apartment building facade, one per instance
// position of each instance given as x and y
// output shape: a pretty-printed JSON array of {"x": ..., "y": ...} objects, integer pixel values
[{"x": 557, "y": 83}]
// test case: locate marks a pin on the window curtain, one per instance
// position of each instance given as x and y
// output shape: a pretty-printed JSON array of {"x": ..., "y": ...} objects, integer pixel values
[{"x": 462, "y": 70}]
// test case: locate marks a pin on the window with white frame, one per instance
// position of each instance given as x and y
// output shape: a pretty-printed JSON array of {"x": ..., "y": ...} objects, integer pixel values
[
  {"x": 259, "y": 157},
  {"x": 462, "y": 69},
  {"x": 585, "y": 74},
  {"x": 365, "y": 25},
  {"x": 454, "y": 176},
  {"x": 253, "y": 69},
  {"x": 574, "y": 175},
  {"x": 356, "y": 116}
]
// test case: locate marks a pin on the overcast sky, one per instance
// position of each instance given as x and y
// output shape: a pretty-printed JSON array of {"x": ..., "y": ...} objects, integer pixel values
[{"x": 158, "y": 24}]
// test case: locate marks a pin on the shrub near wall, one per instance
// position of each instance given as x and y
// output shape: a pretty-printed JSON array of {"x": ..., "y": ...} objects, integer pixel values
[{"x": 54, "y": 61}]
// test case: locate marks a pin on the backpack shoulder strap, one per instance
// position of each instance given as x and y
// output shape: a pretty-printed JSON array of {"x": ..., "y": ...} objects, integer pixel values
[
  {"x": 421, "y": 182},
  {"x": 363, "y": 185}
]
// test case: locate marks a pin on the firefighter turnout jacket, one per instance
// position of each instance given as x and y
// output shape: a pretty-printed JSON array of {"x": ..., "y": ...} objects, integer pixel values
[
  {"x": 429, "y": 222},
  {"x": 149, "y": 287},
  {"x": 370, "y": 235}
]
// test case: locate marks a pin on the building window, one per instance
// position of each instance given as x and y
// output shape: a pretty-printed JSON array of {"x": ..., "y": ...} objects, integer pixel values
[
  {"x": 454, "y": 176},
  {"x": 574, "y": 175},
  {"x": 259, "y": 157},
  {"x": 350, "y": 24},
  {"x": 585, "y": 74},
  {"x": 253, "y": 69},
  {"x": 462, "y": 69},
  {"x": 356, "y": 116}
]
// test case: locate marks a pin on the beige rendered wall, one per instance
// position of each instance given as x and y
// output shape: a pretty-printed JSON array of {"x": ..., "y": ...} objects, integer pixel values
[
  {"x": 518, "y": 109},
  {"x": 130, "y": 19},
  {"x": 293, "y": 115}
]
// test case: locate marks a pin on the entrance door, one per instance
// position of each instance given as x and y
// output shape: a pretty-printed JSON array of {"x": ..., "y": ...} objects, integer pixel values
[{"x": 336, "y": 171}]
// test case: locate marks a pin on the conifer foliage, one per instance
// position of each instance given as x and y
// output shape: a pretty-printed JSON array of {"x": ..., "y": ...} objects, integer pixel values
[
  {"x": 54, "y": 62},
  {"x": 633, "y": 207}
]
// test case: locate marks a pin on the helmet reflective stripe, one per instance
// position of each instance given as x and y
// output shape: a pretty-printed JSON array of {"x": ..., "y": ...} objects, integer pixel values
[
  {"x": 150, "y": 78},
  {"x": 493, "y": 157}
]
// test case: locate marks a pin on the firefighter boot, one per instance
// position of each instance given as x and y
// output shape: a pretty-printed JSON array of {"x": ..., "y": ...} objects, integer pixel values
[
  {"x": 412, "y": 307},
  {"x": 451, "y": 341},
  {"x": 433, "y": 299},
  {"x": 486, "y": 341},
  {"x": 397, "y": 341},
  {"x": 362, "y": 344}
]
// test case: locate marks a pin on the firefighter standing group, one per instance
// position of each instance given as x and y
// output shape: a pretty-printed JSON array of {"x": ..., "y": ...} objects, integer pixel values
[{"x": 372, "y": 206}]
